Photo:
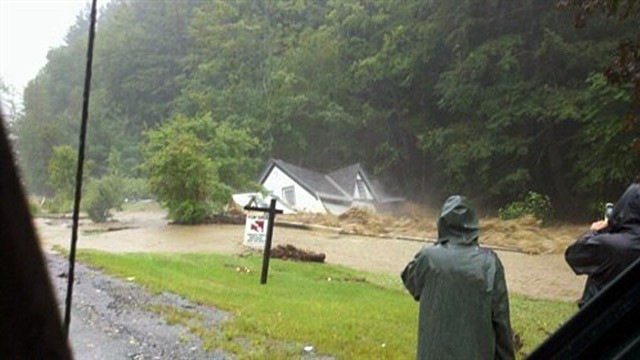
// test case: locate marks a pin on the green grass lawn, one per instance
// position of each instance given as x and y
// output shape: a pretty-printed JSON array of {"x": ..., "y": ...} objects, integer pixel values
[{"x": 341, "y": 312}]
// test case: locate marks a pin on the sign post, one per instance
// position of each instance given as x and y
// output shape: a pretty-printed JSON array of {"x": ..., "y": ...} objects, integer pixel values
[{"x": 267, "y": 246}]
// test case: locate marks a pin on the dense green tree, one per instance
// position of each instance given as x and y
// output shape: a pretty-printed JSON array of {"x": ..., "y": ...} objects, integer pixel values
[
  {"x": 61, "y": 177},
  {"x": 194, "y": 164},
  {"x": 605, "y": 138},
  {"x": 611, "y": 139},
  {"x": 396, "y": 61},
  {"x": 308, "y": 107},
  {"x": 51, "y": 115},
  {"x": 102, "y": 196},
  {"x": 624, "y": 67},
  {"x": 137, "y": 59},
  {"x": 513, "y": 98}
]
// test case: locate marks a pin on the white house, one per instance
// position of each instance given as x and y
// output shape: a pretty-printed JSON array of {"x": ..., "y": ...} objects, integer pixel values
[
  {"x": 305, "y": 190},
  {"x": 259, "y": 200}
]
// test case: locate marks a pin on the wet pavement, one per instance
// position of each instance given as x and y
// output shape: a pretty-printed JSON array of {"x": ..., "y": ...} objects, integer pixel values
[{"x": 112, "y": 318}]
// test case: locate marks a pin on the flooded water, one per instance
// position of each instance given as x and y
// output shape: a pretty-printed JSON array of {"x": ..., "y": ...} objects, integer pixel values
[{"x": 539, "y": 276}]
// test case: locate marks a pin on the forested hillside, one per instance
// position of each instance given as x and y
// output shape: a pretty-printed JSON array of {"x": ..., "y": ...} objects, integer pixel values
[{"x": 491, "y": 99}]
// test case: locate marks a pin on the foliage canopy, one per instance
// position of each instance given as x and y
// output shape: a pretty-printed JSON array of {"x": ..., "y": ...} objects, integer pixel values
[{"x": 489, "y": 99}]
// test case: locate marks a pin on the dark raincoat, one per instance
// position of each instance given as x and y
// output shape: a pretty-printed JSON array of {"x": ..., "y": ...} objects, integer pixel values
[
  {"x": 464, "y": 307},
  {"x": 604, "y": 254}
]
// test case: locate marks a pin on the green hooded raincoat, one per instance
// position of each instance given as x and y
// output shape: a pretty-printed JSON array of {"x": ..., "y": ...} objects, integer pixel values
[{"x": 464, "y": 307}]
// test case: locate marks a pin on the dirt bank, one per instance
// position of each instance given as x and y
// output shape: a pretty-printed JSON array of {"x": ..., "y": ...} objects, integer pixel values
[{"x": 538, "y": 276}]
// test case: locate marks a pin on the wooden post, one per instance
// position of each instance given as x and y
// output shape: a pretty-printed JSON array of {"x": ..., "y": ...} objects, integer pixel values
[{"x": 266, "y": 255}]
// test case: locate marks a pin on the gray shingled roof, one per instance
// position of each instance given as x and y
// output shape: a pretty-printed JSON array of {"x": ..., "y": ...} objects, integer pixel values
[
  {"x": 314, "y": 182},
  {"x": 346, "y": 178},
  {"x": 337, "y": 185}
]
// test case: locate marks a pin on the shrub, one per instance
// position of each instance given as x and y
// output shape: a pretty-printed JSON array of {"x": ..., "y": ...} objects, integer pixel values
[
  {"x": 135, "y": 189},
  {"x": 534, "y": 204},
  {"x": 59, "y": 204},
  {"x": 190, "y": 212},
  {"x": 34, "y": 207},
  {"x": 192, "y": 165},
  {"x": 102, "y": 196}
]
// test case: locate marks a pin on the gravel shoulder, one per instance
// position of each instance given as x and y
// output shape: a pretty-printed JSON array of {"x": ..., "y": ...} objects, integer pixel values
[{"x": 111, "y": 318}]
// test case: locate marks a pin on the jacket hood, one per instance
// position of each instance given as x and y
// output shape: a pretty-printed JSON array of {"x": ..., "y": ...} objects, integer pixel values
[
  {"x": 626, "y": 212},
  {"x": 458, "y": 223}
]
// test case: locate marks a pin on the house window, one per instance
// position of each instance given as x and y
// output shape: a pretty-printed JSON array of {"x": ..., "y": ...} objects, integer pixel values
[
  {"x": 362, "y": 190},
  {"x": 289, "y": 195}
]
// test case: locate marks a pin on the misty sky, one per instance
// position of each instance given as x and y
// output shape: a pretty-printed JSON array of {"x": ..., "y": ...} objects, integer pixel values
[{"x": 28, "y": 29}]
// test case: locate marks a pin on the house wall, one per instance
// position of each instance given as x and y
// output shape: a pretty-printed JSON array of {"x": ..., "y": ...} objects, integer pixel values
[
  {"x": 304, "y": 201},
  {"x": 336, "y": 209}
]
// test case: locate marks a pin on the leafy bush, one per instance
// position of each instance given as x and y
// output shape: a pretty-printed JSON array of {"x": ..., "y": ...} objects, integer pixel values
[
  {"x": 61, "y": 171},
  {"x": 102, "y": 196},
  {"x": 190, "y": 212},
  {"x": 193, "y": 164},
  {"x": 135, "y": 189},
  {"x": 534, "y": 204},
  {"x": 34, "y": 207},
  {"x": 59, "y": 204},
  {"x": 61, "y": 176}
]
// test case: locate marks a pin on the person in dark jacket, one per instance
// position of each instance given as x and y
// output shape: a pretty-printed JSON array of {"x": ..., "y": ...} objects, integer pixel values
[
  {"x": 464, "y": 305},
  {"x": 609, "y": 247}
]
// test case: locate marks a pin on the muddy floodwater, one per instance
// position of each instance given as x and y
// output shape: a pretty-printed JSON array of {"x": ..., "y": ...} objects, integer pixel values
[{"x": 537, "y": 276}]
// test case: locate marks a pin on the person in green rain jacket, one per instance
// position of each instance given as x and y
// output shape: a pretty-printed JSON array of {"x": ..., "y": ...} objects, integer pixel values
[{"x": 464, "y": 305}]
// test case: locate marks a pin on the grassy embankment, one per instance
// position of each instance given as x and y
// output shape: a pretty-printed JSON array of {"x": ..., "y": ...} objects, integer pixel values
[{"x": 341, "y": 312}]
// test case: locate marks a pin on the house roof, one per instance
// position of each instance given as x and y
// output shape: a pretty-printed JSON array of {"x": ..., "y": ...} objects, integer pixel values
[
  {"x": 345, "y": 178},
  {"x": 337, "y": 185}
]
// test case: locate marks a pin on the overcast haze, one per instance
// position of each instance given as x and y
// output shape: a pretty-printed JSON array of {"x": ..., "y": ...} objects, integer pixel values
[{"x": 28, "y": 29}]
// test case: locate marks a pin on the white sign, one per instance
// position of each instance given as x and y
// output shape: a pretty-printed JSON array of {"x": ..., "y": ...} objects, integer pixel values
[{"x": 255, "y": 229}]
